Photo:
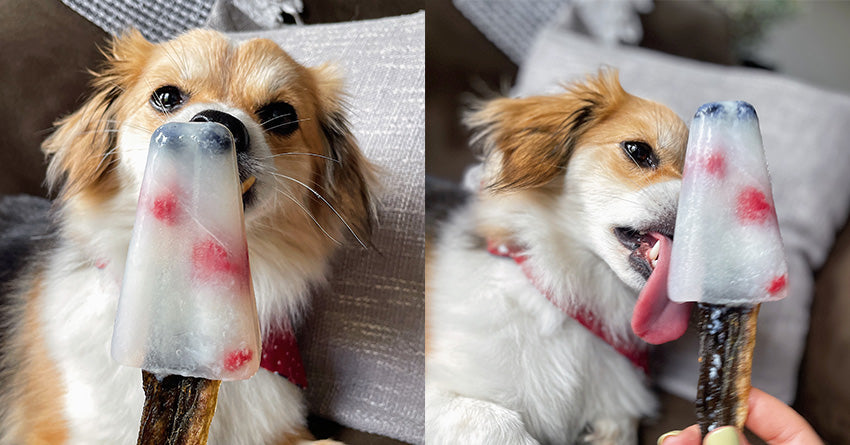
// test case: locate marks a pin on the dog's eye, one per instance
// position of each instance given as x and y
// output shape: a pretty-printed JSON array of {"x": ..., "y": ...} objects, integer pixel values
[
  {"x": 641, "y": 153},
  {"x": 279, "y": 118},
  {"x": 166, "y": 99}
]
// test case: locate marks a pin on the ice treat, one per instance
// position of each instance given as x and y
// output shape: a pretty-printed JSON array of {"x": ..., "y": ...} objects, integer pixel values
[
  {"x": 728, "y": 255},
  {"x": 187, "y": 304},
  {"x": 727, "y": 250}
]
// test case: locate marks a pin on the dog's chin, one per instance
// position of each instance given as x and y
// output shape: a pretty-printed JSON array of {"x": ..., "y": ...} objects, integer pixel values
[
  {"x": 630, "y": 275},
  {"x": 619, "y": 260}
]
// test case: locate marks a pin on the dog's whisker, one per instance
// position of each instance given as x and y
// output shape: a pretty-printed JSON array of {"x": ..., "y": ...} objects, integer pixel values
[
  {"x": 621, "y": 198},
  {"x": 279, "y": 187},
  {"x": 270, "y": 169},
  {"x": 106, "y": 155},
  {"x": 109, "y": 152},
  {"x": 299, "y": 153},
  {"x": 108, "y": 130},
  {"x": 124, "y": 150},
  {"x": 128, "y": 125},
  {"x": 311, "y": 182},
  {"x": 268, "y": 121},
  {"x": 266, "y": 130},
  {"x": 319, "y": 195},
  {"x": 309, "y": 215}
]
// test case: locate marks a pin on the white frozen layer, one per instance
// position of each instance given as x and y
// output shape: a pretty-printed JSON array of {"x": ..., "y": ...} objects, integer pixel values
[
  {"x": 187, "y": 304},
  {"x": 727, "y": 248}
]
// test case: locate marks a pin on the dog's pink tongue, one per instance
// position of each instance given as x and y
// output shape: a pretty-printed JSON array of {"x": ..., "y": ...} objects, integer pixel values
[{"x": 656, "y": 319}]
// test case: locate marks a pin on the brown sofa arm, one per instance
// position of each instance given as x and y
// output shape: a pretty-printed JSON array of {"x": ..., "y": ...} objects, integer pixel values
[
  {"x": 823, "y": 395},
  {"x": 47, "y": 48}
]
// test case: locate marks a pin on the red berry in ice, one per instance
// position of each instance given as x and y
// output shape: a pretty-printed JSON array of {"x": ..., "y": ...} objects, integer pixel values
[
  {"x": 164, "y": 208},
  {"x": 236, "y": 359},
  {"x": 210, "y": 258},
  {"x": 715, "y": 164},
  {"x": 777, "y": 285},
  {"x": 752, "y": 206}
]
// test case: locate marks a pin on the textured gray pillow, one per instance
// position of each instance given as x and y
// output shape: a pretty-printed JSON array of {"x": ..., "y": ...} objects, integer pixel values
[
  {"x": 805, "y": 132},
  {"x": 363, "y": 343}
]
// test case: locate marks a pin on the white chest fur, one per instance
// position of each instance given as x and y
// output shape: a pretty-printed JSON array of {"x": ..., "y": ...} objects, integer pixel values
[{"x": 494, "y": 337}]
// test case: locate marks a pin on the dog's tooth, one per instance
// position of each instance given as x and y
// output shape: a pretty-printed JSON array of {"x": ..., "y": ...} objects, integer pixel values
[
  {"x": 656, "y": 249},
  {"x": 653, "y": 263},
  {"x": 653, "y": 253}
]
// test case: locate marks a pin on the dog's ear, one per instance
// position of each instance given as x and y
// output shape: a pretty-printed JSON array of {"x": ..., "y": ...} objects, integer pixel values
[
  {"x": 349, "y": 177},
  {"x": 81, "y": 150},
  {"x": 526, "y": 142}
]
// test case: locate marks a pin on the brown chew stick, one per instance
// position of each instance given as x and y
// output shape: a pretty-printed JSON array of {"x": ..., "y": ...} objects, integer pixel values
[
  {"x": 178, "y": 410},
  {"x": 727, "y": 339}
]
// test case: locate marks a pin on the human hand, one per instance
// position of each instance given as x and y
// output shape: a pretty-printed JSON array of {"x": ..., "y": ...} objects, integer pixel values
[{"x": 773, "y": 421}]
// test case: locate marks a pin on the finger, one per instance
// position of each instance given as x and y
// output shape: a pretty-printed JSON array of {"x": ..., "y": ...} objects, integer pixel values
[
  {"x": 688, "y": 436},
  {"x": 777, "y": 423}
]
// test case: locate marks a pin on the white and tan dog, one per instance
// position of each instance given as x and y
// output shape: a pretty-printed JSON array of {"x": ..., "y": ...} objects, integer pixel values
[
  {"x": 573, "y": 216},
  {"x": 307, "y": 187}
]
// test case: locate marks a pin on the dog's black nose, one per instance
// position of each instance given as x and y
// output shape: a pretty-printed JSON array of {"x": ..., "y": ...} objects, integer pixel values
[{"x": 236, "y": 127}]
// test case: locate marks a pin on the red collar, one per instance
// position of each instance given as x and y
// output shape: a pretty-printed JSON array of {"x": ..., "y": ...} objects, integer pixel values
[
  {"x": 281, "y": 356},
  {"x": 637, "y": 353}
]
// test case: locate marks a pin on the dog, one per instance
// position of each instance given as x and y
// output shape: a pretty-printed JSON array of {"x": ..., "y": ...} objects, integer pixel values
[
  {"x": 531, "y": 286},
  {"x": 307, "y": 187}
]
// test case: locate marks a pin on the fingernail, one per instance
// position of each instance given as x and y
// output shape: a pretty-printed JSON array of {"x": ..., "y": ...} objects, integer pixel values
[
  {"x": 728, "y": 435},
  {"x": 666, "y": 435}
]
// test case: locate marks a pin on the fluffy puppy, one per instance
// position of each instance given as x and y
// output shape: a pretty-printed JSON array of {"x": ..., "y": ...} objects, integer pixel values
[
  {"x": 575, "y": 206},
  {"x": 307, "y": 190}
]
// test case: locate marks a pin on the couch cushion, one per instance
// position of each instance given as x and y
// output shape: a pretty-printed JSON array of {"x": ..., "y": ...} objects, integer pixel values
[{"x": 805, "y": 130}]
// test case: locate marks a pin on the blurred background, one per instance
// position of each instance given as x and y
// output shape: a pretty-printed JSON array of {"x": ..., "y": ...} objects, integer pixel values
[{"x": 804, "y": 39}]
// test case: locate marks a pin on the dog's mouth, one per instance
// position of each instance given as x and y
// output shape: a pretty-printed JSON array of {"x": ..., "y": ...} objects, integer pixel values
[
  {"x": 645, "y": 247},
  {"x": 655, "y": 318}
]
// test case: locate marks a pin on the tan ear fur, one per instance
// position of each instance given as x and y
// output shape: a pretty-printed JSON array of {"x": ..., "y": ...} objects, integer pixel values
[
  {"x": 81, "y": 149},
  {"x": 350, "y": 176},
  {"x": 532, "y": 138}
]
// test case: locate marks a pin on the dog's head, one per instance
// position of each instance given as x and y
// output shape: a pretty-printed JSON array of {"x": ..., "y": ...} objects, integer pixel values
[
  {"x": 601, "y": 165},
  {"x": 304, "y": 173}
]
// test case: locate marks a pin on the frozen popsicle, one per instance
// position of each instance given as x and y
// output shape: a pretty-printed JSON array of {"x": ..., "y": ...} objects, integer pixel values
[
  {"x": 728, "y": 255},
  {"x": 187, "y": 304}
]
